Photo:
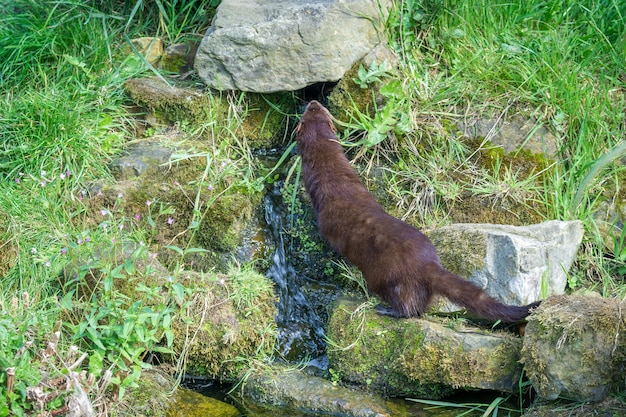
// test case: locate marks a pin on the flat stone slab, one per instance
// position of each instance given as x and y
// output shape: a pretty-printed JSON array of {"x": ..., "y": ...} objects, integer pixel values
[{"x": 288, "y": 387}]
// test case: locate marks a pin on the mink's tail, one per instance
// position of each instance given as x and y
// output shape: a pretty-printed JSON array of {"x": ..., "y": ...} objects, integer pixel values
[{"x": 469, "y": 295}]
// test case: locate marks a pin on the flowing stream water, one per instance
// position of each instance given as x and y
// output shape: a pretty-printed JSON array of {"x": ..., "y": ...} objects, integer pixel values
[{"x": 300, "y": 324}]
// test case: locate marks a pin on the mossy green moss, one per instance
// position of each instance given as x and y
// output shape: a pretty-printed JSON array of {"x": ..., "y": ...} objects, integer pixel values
[
  {"x": 222, "y": 226},
  {"x": 459, "y": 367},
  {"x": 189, "y": 403},
  {"x": 370, "y": 352},
  {"x": 503, "y": 206},
  {"x": 169, "y": 103},
  {"x": 464, "y": 259},
  {"x": 310, "y": 252},
  {"x": 183, "y": 206},
  {"x": 249, "y": 118},
  {"x": 264, "y": 125},
  {"x": 347, "y": 96},
  {"x": 523, "y": 161},
  {"x": 151, "y": 397},
  {"x": 229, "y": 322}
]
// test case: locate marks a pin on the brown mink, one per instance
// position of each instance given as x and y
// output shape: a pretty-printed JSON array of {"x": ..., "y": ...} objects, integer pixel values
[{"x": 399, "y": 263}]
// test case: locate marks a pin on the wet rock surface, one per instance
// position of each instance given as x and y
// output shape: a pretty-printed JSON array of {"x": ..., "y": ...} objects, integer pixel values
[
  {"x": 295, "y": 389},
  {"x": 187, "y": 403}
]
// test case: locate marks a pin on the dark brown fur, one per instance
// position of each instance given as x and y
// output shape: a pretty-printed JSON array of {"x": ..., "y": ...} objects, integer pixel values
[{"x": 398, "y": 262}]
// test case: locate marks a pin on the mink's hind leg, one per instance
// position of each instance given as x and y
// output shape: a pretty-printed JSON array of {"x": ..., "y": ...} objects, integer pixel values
[{"x": 388, "y": 311}]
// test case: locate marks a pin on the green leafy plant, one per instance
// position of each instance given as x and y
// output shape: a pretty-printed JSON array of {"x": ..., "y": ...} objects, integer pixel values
[
  {"x": 119, "y": 315},
  {"x": 375, "y": 73}
]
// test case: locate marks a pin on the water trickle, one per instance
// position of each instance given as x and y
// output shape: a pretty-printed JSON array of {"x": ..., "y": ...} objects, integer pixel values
[{"x": 300, "y": 326}]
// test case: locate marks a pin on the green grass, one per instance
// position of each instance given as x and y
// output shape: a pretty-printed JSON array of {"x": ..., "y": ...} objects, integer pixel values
[{"x": 62, "y": 118}]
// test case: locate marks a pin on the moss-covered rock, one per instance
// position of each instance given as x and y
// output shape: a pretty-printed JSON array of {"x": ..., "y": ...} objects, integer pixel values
[
  {"x": 254, "y": 120},
  {"x": 504, "y": 202},
  {"x": 179, "y": 58},
  {"x": 224, "y": 222},
  {"x": 264, "y": 124},
  {"x": 188, "y": 197},
  {"x": 229, "y": 321},
  {"x": 575, "y": 347},
  {"x": 219, "y": 322},
  {"x": 167, "y": 102},
  {"x": 413, "y": 357},
  {"x": 150, "y": 398}
]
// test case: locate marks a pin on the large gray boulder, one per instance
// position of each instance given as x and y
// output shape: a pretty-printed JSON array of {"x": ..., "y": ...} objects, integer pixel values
[
  {"x": 285, "y": 45},
  {"x": 515, "y": 264}
]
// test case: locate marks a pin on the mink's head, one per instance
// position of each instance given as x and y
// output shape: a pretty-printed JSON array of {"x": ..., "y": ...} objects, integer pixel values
[{"x": 315, "y": 123}]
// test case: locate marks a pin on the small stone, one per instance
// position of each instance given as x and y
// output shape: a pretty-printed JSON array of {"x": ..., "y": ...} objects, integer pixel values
[
  {"x": 151, "y": 48},
  {"x": 140, "y": 159},
  {"x": 179, "y": 58}
]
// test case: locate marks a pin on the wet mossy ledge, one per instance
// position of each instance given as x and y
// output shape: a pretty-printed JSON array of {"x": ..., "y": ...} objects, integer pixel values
[
  {"x": 416, "y": 357},
  {"x": 228, "y": 322}
]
